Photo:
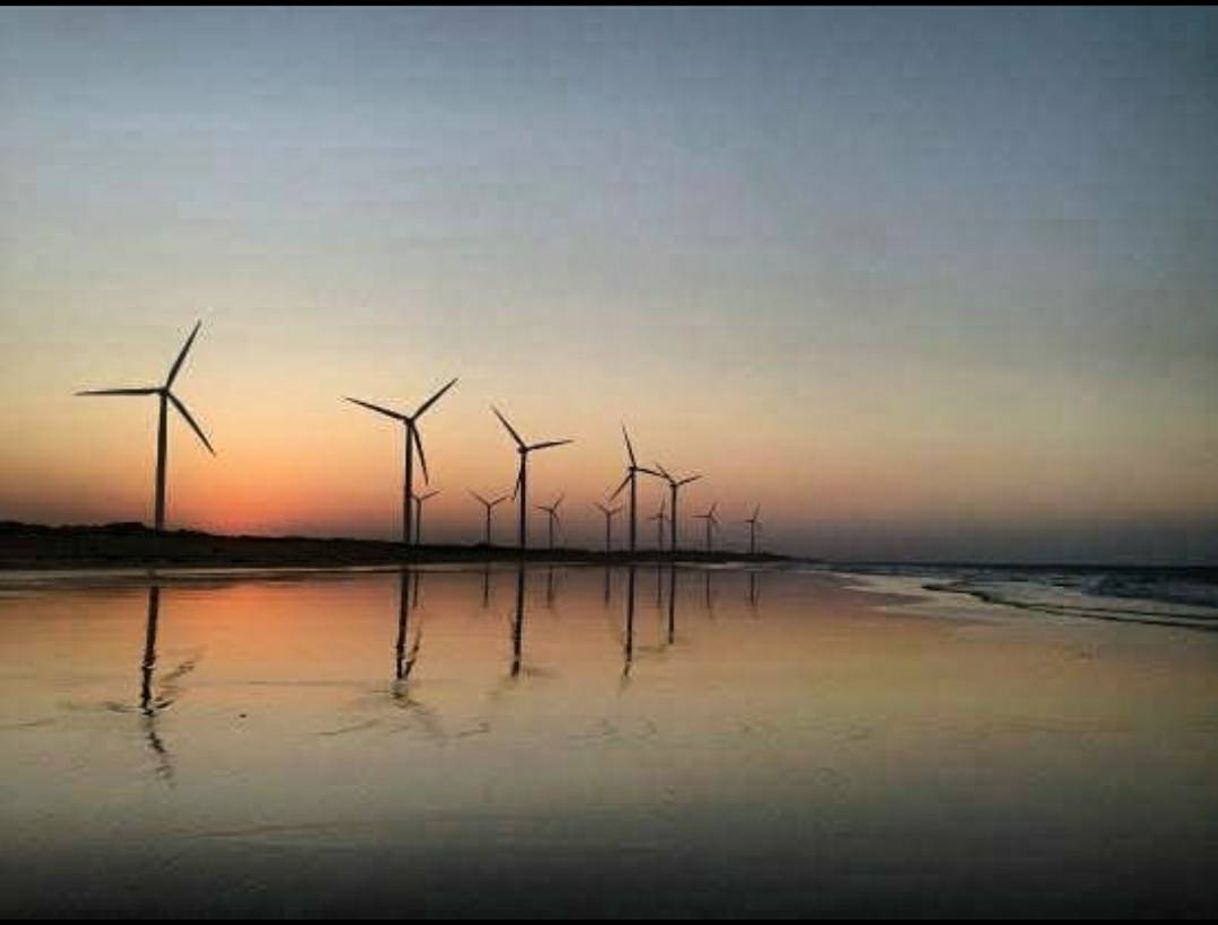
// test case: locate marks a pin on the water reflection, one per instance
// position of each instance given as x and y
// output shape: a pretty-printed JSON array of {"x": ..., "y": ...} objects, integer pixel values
[
  {"x": 754, "y": 590},
  {"x": 150, "y": 705},
  {"x": 629, "y": 644},
  {"x": 518, "y": 622},
  {"x": 672, "y": 603},
  {"x": 404, "y": 661}
]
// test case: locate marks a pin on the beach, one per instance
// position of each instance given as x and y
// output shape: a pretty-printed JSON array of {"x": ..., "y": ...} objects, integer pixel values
[{"x": 523, "y": 741}]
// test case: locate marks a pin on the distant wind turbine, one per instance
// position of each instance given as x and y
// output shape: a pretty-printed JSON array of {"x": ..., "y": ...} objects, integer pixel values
[
  {"x": 552, "y": 512},
  {"x": 712, "y": 522},
  {"x": 753, "y": 523},
  {"x": 167, "y": 397},
  {"x": 608, "y": 512},
  {"x": 488, "y": 505},
  {"x": 522, "y": 477},
  {"x": 418, "y": 513},
  {"x": 673, "y": 485},
  {"x": 660, "y": 517},
  {"x": 409, "y": 421},
  {"x": 632, "y": 471}
]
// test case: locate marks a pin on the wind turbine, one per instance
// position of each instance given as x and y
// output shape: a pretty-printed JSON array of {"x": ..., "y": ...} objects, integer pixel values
[
  {"x": 522, "y": 477},
  {"x": 711, "y": 521},
  {"x": 166, "y": 397},
  {"x": 418, "y": 513},
  {"x": 753, "y": 524},
  {"x": 608, "y": 512},
  {"x": 552, "y": 511},
  {"x": 631, "y": 478},
  {"x": 409, "y": 421},
  {"x": 673, "y": 485},
  {"x": 488, "y": 505},
  {"x": 660, "y": 517}
]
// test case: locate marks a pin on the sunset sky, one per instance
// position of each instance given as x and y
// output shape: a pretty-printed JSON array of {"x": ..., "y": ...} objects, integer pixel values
[{"x": 923, "y": 284}]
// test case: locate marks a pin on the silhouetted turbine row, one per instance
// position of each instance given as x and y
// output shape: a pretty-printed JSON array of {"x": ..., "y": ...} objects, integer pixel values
[{"x": 412, "y": 527}]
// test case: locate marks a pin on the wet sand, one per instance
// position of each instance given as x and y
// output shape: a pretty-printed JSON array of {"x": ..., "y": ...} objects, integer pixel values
[{"x": 780, "y": 743}]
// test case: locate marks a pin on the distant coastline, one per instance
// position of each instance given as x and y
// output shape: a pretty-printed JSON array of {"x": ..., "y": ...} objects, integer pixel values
[{"x": 126, "y": 545}]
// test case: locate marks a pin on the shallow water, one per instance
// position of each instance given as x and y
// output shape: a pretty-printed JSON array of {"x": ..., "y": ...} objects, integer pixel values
[{"x": 468, "y": 742}]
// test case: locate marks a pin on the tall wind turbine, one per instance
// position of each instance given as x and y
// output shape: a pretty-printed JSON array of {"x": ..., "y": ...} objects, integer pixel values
[
  {"x": 488, "y": 505},
  {"x": 418, "y": 513},
  {"x": 552, "y": 512},
  {"x": 409, "y": 421},
  {"x": 673, "y": 485},
  {"x": 608, "y": 512},
  {"x": 711, "y": 522},
  {"x": 753, "y": 523},
  {"x": 660, "y": 517},
  {"x": 522, "y": 477},
  {"x": 632, "y": 471},
  {"x": 166, "y": 397}
]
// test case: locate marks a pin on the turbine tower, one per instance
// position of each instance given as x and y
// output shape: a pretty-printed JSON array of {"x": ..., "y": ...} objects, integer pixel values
[
  {"x": 167, "y": 398},
  {"x": 632, "y": 471},
  {"x": 522, "y": 477},
  {"x": 711, "y": 522},
  {"x": 608, "y": 512},
  {"x": 488, "y": 505},
  {"x": 552, "y": 512},
  {"x": 673, "y": 485},
  {"x": 409, "y": 421},
  {"x": 418, "y": 513},
  {"x": 753, "y": 523},
  {"x": 660, "y": 518}
]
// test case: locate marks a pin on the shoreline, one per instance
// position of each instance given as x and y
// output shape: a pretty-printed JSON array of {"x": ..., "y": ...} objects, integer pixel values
[{"x": 33, "y": 547}]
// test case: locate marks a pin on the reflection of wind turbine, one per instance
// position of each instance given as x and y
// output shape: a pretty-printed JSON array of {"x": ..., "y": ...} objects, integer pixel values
[
  {"x": 167, "y": 397},
  {"x": 552, "y": 512},
  {"x": 660, "y": 517},
  {"x": 632, "y": 471},
  {"x": 753, "y": 523},
  {"x": 151, "y": 706},
  {"x": 712, "y": 523},
  {"x": 522, "y": 477},
  {"x": 418, "y": 513},
  {"x": 488, "y": 505},
  {"x": 413, "y": 440},
  {"x": 673, "y": 485},
  {"x": 608, "y": 512}
]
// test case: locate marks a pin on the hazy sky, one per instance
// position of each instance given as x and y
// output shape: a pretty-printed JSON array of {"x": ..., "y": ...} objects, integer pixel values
[{"x": 922, "y": 283}]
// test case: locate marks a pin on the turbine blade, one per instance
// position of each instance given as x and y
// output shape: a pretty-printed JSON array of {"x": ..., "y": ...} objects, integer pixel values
[
  {"x": 559, "y": 501},
  {"x": 625, "y": 482},
  {"x": 604, "y": 510},
  {"x": 418, "y": 442},
  {"x": 497, "y": 500},
  {"x": 515, "y": 436},
  {"x": 648, "y": 471},
  {"x": 629, "y": 448},
  {"x": 430, "y": 494},
  {"x": 692, "y": 478},
  {"x": 191, "y": 421},
  {"x": 519, "y": 476},
  {"x": 480, "y": 498},
  {"x": 177, "y": 364},
  {"x": 431, "y": 401},
  {"x": 548, "y": 443},
  {"x": 664, "y": 472},
  {"x": 378, "y": 409},
  {"x": 151, "y": 391}
]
